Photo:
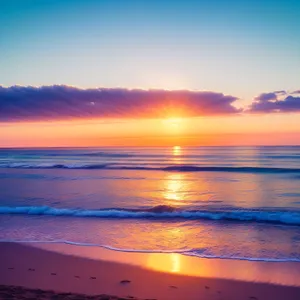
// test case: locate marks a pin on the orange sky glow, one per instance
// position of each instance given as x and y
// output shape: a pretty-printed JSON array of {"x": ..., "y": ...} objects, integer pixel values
[{"x": 275, "y": 129}]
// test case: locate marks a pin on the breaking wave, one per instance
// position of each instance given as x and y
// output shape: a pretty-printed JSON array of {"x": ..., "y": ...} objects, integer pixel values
[{"x": 164, "y": 212}]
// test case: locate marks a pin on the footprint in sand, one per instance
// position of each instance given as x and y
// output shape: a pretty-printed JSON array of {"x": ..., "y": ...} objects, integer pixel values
[
  {"x": 207, "y": 287},
  {"x": 30, "y": 269},
  {"x": 76, "y": 276},
  {"x": 173, "y": 287},
  {"x": 53, "y": 274},
  {"x": 11, "y": 268},
  {"x": 92, "y": 277},
  {"x": 125, "y": 281},
  {"x": 253, "y": 298}
]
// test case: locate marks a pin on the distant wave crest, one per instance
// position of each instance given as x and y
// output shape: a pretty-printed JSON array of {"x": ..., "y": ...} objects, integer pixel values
[
  {"x": 171, "y": 168},
  {"x": 164, "y": 212}
]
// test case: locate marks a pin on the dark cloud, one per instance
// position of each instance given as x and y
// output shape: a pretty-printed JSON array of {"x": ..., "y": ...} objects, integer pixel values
[
  {"x": 296, "y": 92},
  {"x": 269, "y": 103},
  {"x": 19, "y": 103}
]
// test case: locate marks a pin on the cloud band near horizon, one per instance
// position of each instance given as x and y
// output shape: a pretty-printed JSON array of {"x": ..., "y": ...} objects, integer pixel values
[
  {"x": 60, "y": 102},
  {"x": 65, "y": 102}
]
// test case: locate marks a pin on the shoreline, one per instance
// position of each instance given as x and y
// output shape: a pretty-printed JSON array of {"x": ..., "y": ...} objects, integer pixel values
[
  {"x": 279, "y": 273},
  {"x": 51, "y": 270}
]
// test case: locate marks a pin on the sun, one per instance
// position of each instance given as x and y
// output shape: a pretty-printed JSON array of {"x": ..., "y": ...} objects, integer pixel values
[
  {"x": 173, "y": 122},
  {"x": 173, "y": 126}
]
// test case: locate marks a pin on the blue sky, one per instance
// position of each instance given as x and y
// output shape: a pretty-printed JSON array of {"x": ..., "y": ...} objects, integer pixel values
[{"x": 241, "y": 48}]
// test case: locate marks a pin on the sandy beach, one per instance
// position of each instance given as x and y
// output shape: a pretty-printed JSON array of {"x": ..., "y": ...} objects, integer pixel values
[{"x": 65, "y": 276}]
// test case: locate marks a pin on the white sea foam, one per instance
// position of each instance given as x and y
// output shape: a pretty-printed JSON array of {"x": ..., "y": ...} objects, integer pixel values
[{"x": 201, "y": 253}]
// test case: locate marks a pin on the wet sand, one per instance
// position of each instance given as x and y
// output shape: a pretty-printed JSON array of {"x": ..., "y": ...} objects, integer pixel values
[{"x": 40, "y": 270}]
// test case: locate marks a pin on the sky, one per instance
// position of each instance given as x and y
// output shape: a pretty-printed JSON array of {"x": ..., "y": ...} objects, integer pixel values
[{"x": 153, "y": 73}]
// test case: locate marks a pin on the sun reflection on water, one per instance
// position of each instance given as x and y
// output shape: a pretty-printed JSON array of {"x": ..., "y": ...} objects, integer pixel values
[
  {"x": 176, "y": 150},
  {"x": 174, "y": 187}
]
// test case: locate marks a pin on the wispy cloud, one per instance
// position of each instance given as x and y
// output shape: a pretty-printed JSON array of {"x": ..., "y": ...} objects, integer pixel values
[
  {"x": 18, "y": 103},
  {"x": 270, "y": 96}
]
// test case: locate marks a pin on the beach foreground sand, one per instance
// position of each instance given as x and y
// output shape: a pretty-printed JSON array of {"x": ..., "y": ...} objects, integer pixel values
[
  {"x": 17, "y": 292},
  {"x": 39, "y": 269}
]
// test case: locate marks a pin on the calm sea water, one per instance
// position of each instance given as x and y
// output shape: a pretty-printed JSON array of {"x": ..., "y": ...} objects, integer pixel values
[{"x": 216, "y": 202}]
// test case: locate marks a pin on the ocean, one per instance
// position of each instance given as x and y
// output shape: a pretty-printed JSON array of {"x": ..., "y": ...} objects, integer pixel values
[{"x": 239, "y": 203}]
